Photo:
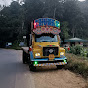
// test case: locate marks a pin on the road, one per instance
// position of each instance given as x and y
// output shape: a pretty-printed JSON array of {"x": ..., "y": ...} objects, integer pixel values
[{"x": 14, "y": 74}]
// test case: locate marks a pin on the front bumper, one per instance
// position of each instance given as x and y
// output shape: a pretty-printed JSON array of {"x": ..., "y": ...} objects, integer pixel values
[{"x": 47, "y": 62}]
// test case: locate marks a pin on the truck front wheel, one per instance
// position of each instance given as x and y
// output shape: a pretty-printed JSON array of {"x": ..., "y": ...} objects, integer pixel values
[
  {"x": 32, "y": 68},
  {"x": 24, "y": 58}
]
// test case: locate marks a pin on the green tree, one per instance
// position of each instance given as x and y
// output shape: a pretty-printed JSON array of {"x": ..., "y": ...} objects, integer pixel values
[
  {"x": 64, "y": 29},
  {"x": 11, "y": 22}
]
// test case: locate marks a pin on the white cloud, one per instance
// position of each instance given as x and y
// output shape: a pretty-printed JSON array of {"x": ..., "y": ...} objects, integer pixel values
[
  {"x": 81, "y": 0},
  {"x": 5, "y": 2}
]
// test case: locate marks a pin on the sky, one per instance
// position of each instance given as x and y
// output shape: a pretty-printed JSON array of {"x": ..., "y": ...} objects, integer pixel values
[
  {"x": 81, "y": 0},
  {"x": 7, "y": 2}
]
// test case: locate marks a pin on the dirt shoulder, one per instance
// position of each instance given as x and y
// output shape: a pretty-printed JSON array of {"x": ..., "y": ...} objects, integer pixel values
[{"x": 49, "y": 77}]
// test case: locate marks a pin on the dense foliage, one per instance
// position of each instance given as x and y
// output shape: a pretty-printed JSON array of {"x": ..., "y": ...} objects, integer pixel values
[
  {"x": 78, "y": 50},
  {"x": 15, "y": 19}
]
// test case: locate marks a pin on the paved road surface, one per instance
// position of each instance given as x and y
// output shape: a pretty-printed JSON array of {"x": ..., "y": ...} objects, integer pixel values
[{"x": 14, "y": 74}]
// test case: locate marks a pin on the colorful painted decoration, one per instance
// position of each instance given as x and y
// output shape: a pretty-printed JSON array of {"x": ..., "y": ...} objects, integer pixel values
[
  {"x": 41, "y": 30},
  {"x": 46, "y": 22}
]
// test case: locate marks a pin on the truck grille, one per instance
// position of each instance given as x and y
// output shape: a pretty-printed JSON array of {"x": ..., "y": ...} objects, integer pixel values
[{"x": 50, "y": 50}]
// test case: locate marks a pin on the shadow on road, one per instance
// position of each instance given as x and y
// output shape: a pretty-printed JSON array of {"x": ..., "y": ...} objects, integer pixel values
[{"x": 47, "y": 69}]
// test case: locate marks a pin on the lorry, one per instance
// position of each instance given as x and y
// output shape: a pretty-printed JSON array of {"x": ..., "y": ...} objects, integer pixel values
[{"x": 44, "y": 45}]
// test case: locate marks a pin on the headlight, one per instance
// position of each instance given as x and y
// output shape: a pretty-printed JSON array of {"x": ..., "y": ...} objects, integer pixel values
[
  {"x": 37, "y": 54},
  {"x": 61, "y": 53}
]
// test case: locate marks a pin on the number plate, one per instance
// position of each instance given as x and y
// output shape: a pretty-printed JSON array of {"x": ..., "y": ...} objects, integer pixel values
[{"x": 51, "y": 56}]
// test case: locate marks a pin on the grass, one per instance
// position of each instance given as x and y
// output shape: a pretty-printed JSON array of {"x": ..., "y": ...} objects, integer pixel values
[
  {"x": 78, "y": 64},
  {"x": 14, "y": 47}
]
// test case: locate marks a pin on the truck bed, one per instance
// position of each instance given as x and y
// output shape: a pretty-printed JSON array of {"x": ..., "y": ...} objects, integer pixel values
[{"x": 25, "y": 49}]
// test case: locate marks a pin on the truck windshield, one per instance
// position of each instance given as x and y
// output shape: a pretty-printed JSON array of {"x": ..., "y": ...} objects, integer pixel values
[{"x": 46, "y": 38}]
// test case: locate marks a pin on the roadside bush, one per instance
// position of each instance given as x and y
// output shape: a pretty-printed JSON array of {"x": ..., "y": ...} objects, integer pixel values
[
  {"x": 79, "y": 68},
  {"x": 15, "y": 46},
  {"x": 72, "y": 50},
  {"x": 77, "y": 64},
  {"x": 84, "y": 53},
  {"x": 78, "y": 50},
  {"x": 66, "y": 50},
  {"x": 87, "y": 53}
]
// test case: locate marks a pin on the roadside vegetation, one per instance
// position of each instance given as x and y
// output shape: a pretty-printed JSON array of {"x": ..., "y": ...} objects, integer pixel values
[
  {"x": 78, "y": 60},
  {"x": 15, "y": 46},
  {"x": 77, "y": 64},
  {"x": 78, "y": 50}
]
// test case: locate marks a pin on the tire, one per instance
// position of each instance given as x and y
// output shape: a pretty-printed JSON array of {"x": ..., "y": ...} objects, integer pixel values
[
  {"x": 60, "y": 66},
  {"x": 32, "y": 68},
  {"x": 28, "y": 58},
  {"x": 24, "y": 58}
]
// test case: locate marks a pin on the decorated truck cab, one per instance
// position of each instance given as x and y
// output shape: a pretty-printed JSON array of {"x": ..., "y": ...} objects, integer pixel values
[{"x": 44, "y": 47}]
